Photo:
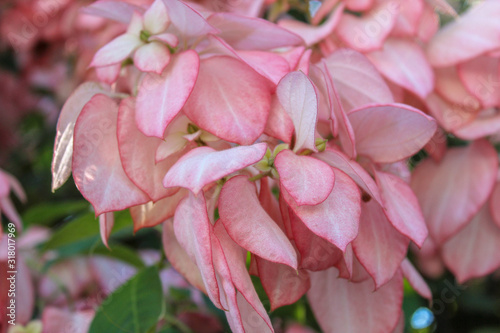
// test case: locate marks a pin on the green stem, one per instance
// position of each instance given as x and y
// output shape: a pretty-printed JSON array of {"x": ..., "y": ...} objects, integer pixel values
[{"x": 259, "y": 176}]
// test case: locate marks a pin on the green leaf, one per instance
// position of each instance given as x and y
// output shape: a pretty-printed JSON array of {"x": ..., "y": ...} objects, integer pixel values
[
  {"x": 82, "y": 233},
  {"x": 132, "y": 308},
  {"x": 48, "y": 213},
  {"x": 119, "y": 252}
]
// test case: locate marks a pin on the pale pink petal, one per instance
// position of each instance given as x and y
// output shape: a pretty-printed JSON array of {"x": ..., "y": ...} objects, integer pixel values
[
  {"x": 218, "y": 106},
  {"x": 293, "y": 55},
  {"x": 106, "y": 273},
  {"x": 401, "y": 207},
  {"x": 337, "y": 218},
  {"x": 368, "y": 32},
  {"x": 379, "y": 247},
  {"x": 345, "y": 264},
  {"x": 172, "y": 144},
  {"x": 116, "y": 51},
  {"x": 318, "y": 77},
  {"x": 429, "y": 23},
  {"x": 313, "y": 34},
  {"x": 494, "y": 204},
  {"x": 279, "y": 125},
  {"x": 269, "y": 202},
  {"x": 178, "y": 257},
  {"x": 298, "y": 97},
  {"x": 309, "y": 181},
  {"x": 316, "y": 253},
  {"x": 480, "y": 77},
  {"x": 400, "y": 326},
  {"x": 230, "y": 260},
  {"x": 410, "y": 15},
  {"x": 270, "y": 65},
  {"x": 467, "y": 175},
  {"x": 194, "y": 232},
  {"x": 15, "y": 186},
  {"x": 152, "y": 57},
  {"x": 337, "y": 112},
  {"x": 340, "y": 161},
  {"x": 282, "y": 284},
  {"x": 108, "y": 74},
  {"x": 356, "y": 79},
  {"x": 55, "y": 320},
  {"x": 63, "y": 147},
  {"x": 24, "y": 292},
  {"x": 204, "y": 165},
  {"x": 358, "y": 5},
  {"x": 476, "y": 31},
  {"x": 358, "y": 272},
  {"x": 161, "y": 97},
  {"x": 138, "y": 152},
  {"x": 154, "y": 213},
  {"x": 436, "y": 147},
  {"x": 156, "y": 18},
  {"x": 106, "y": 222},
  {"x": 415, "y": 279},
  {"x": 487, "y": 123},
  {"x": 296, "y": 328},
  {"x": 248, "y": 33},
  {"x": 136, "y": 25},
  {"x": 342, "y": 306},
  {"x": 451, "y": 116},
  {"x": 4, "y": 185},
  {"x": 7, "y": 208},
  {"x": 392, "y": 132},
  {"x": 166, "y": 38},
  {"x": 250, "y": 226},
  {"x": 304, "y": 62},
  {"x": 450, "y": 87},
  {"x": 187, "y": 21},
  {"x": 473, "y": 251},
  {"x": 115, "y": 10},
  {"x": 403, "y": 62},
  {"x": 97, "y": 169},
  {"x": 443, "y": 7},
  {"x": 429, "y": 260}
]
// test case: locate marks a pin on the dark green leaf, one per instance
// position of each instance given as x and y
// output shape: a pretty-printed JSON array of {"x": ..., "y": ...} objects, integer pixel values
[
  {"x": 48, "y": 213},
  {"x": 132, "y": 308},
  {"x": 119, "y": 252},
  {"x": 83, "y": 232}
]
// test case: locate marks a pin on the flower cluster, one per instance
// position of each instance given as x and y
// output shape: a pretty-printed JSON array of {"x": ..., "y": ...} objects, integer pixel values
[{"x": 290, "y": 142}]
